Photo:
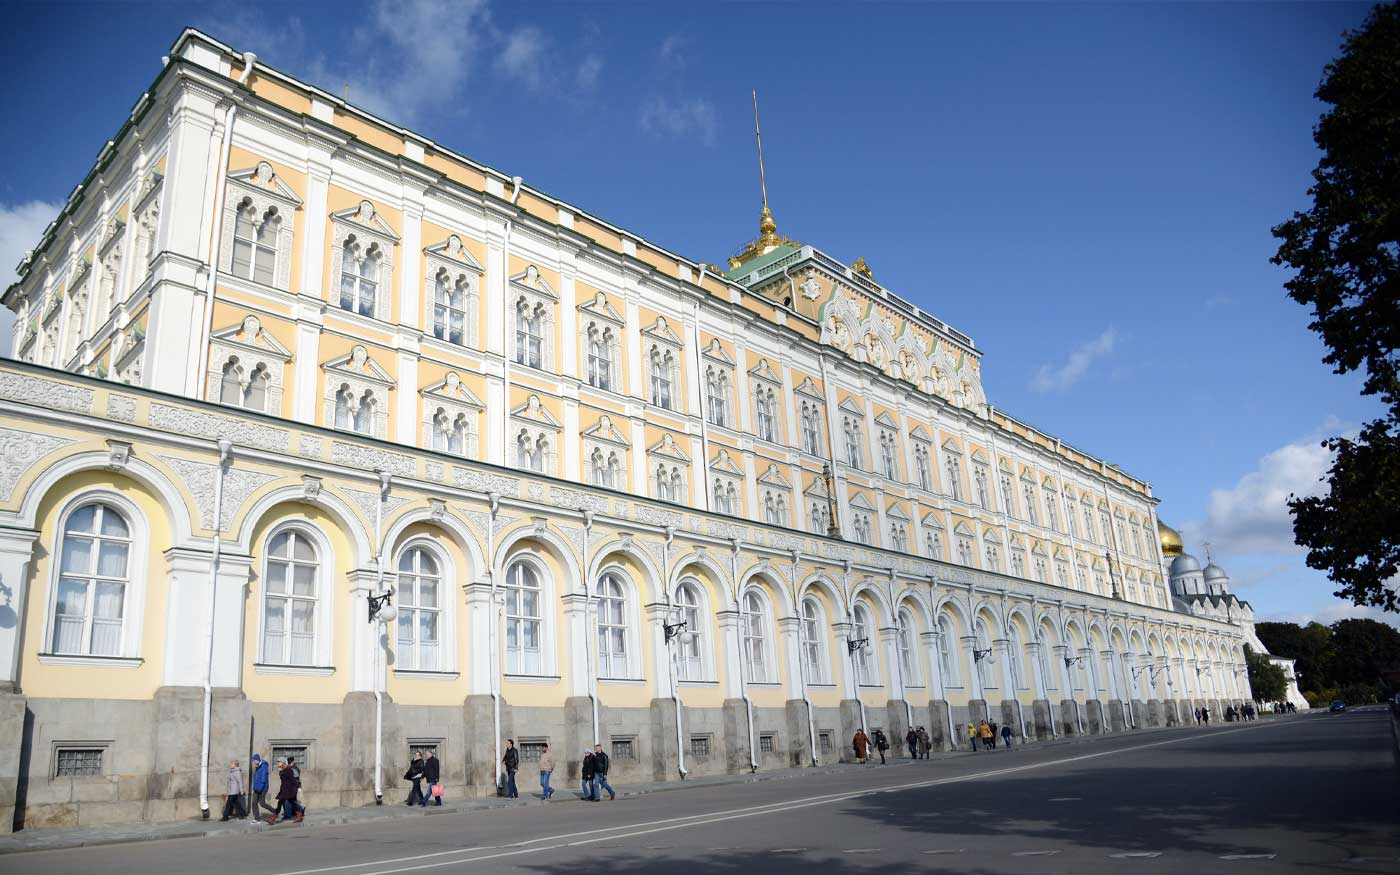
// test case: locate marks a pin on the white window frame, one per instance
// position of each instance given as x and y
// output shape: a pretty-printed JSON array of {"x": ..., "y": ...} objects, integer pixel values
[
  {"x": 249, "y": 342},
  {"x": 545, "y": 619},
  {"x": 261, "y": 189},
  {"x": 623, "y": 624},
  {"x": 134, "y": 595},
  {"x": 755, "y": 632},
  {"x": 866, "y": 658},
  {"x": 812, "y": 641},
  {"x": 948, "y": 652},
  {"x": 908, "y": 646},
  {"x": 446, "y": 575},
  {"x": 463, "y": 271},
  {"x": 697, "y": 617},
  {"x": 324, "y": 616}
]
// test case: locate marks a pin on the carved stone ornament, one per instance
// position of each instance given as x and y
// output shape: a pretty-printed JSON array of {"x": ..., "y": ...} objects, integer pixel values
[
  {"x": 370, "y": 459},
  {"x": 311, "y": 447},
  {"x": 118, "y": 454},
  {"x": 310, "y": 488},
  {"x": 484, "y": 482},
  {"x": 19, "y": 450},
  {"x": 368, "y": 502},
  {"x": 214, "y": 427},
  {"x": 49, "y": 394},
  {"x": 810, "y": 288},
  {"x": 121, "y": 408},
  {"x": 437, "y": 509},
  {"x": 199, "y": 479},
  {"x": 573, "y": 499}
]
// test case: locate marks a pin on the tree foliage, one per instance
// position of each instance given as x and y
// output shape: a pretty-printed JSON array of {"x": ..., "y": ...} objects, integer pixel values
[
  {"x": 1345, "y": 254},
  {"x": 1350, "y": 655},
  {"x": 1266, "y": 679}
]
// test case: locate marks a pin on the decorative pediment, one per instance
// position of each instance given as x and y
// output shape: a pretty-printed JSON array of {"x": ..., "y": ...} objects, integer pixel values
[
  {"x": 668, "y": 448},
  {"x": 264, "y": 180},
  {"x": 963, "y": 529},
  {"x": 991, "y": 536},
  {"x": 1016, "y": 540},
  {"x": 111, "y": 233},
  {"x": 764, "y": 371},
  {"x": 1005, "y": 468},
  {"x": 533, "y": 410},
  {"x": 931, "y": 522},
  {"x": 451, "y": 388},
  {"x": 1061, "y": 555},
  {"x": 723, "y": 464},
  {"x": 531, "y": 280},
  {"x": 599, "y": 307},
  {"x": 358, "y": 364},
  {"x": 849, "y": 405},
  {"x": 883, "y": 418},
  {"x": 1027, "y": 475},
  {"x": 919, "y": 433},
  {"x": 896, "y": 512},
  {"x": 861, "y": 502},
  {"x": 364, "y": 216},
  {"x": 816, "y": 489},
  {"x": 979, "y": 457},
  {"x": 951, "y": 446},
  {"x": 454, "y": 251},
  {"x": 808, "y": 388},
  {"x": 1038, "y": 549},
  {"x": 774, "y": 477},
  {"x": 249, "y": 335},
  {"x": 604, "y": 430},
  {"x": 659, "y": 330},
  {"x": 1047, "y": 483},
  {"x": 149, "y": 186},
  {"x": 716, "y": 352}
]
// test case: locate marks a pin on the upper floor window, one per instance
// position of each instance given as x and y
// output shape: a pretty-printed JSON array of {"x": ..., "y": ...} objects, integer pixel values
[
  {"x": 670, "y": 484},
  {"x": 908, "y": 659},
  {"x": 1071, "y": 511},
  {"x": 255, "y": 239},
  {"x": 359, "y": 276},
  {"x": 450, "y": 308},
  {"x": 862, "y": 630},
  {"x": 979, "y": 480},
  {"x": 94, "y": 576},
  {"x": 861, "y": 523},
  {"x": 717, "y": 397},
  {"x": 899, "y": 536},
  {"x": 1089, "y": 525},
  {"x": 451, "y": 434},
  {"x": 529, "y": 333},
  {"x": 765, "y": 414},
  {"x": 726, "y": 497},
  {"x": 855, "y": 450},
  {"x": 889, "y": 455},
  {"x": 290, "y": 599},
  {"x": 1018, "y": 562},
  {"x": 532, "y": 451},
  {"x": 242, "y": 387},
  {"x": 355, "y": 412},
  {"x": 933, "y": 543},
  {"x": 811, "y": 428},
  {"x": 1008, "y": 499},
  {"x": 1038, "y": 563},
  {"x": 775, "y": 510},
  {"x": 965, "y": 556},
  {"x": 1052, "y": 516},
  {"x": 954, "y": 467},
  {"x": 420, "y": 610},
  {"x": 663, "y": 368},
  {"x": 820, "y": 516},
  {"x": 600, "y": 357},
  {"x": 992, "y": 552},
  {"x": 922, "y": 470},
  {"x": 605, "y": 469},
  {"x": 947, "y": 656},
  {"x": 1028, "y": 492}
]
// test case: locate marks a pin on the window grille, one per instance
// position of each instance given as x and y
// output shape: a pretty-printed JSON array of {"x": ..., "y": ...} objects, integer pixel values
[
  {"x": 765, "y": 744},
  {"x": 824, "y": 741},
  {"x": 78, "y": 762},
  {"x": 624, "y": 748},
  {"x": 700, "y": 745},
  {"x": 531, "y": 751}
]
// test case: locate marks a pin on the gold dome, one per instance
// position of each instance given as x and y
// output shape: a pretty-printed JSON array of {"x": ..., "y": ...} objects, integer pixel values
[{"x": 1170, "y": 538}]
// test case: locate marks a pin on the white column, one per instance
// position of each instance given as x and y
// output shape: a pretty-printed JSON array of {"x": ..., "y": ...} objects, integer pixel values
[
  {"x": 1107, "y": 662},
  {"x": 894, "y": 668},
  {"x": 1038, "y": 684},
  {"x": 478, "y": 628},
  {"x": 849, "y": 688},
  {"x": 16, "y": 550},
  {"x": 496, "y": 414},
  {"x": 661, "y": 663},
  {"x": 576, "y": 642},
  {"x": 411, "y": 256},
  {"x": 1004, "y": 656},
  {"x": 493, "y": 287},
  {"x": 728, "y": 624},
  {"x": 306, "y": 363},
  {"x": 970, "y": 649},
  {"x": 790, "y": 644},
  {"x": 189, "y": 593},
  {"x": 1091, "y": 677},
  {"x": 640, "y": 482},
  {"x": 632, "y": 346},
  {"x": 406, "y": 396}
]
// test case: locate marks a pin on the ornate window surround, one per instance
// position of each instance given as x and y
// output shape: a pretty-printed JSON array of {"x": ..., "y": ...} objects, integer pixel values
[
  {"x": 597, "y": 313},
  {"x": 252, "y": 344},
  {"x": 658, "y": 337},
  {"x": 262, "y": 188},
  {"x": 605, "y": 436},
  {"x": 360, "y": 373},
  {"x": 532, "y": 288},
  {"x": 452, "y": 397},
  {"x": 719, "y": 363},
  {"x": 722, "y": 470},
  {"x": 452, "y": 255},
  {"x": 363, "y": 223},
  {"x": 666, "y": 452},
  {"x": 535, "y": 420}
]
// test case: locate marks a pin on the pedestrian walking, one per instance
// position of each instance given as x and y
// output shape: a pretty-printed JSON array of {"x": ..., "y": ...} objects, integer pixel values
[
  {"x": 546, "y": 769},
  {"x": 233, "y": 798},
  {"x": 860, "y": 742},
  {"x": 600, "y": 774},
  {"x": 972, "y": 735},
  {"x": 512, "y": 762},
  {"x": 415, "y": 775},
  {"x": 1006, "y": 736},
  {"x": 432, "y": 776},
  {"x": 287, "y": 793},
  {"x": 586, "y": 773},
  {"x": 1205, "y": 716},
  {"x": 882, "y": 744},
  {"x": 259, "y": 803},
  {"x": 925, "y": 743},
  {"x": 995, "y": 733},
  {"x": 911, "y": 741},
  {"x": 984, "y": 731}
]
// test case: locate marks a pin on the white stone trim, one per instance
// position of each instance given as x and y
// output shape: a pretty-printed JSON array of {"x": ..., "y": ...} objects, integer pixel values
[
  {"x": 462, "y": 268},
  {"x": 364, "y": 224},
  {"x": 262, "y": 189}
]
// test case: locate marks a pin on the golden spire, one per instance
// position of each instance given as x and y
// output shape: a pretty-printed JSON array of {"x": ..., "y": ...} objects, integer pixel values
[{"x": 767, "y": 228}]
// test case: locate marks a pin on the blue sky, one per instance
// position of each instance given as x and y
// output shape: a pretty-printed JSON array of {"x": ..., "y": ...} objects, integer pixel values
[{"x": 1087, "y": 190}]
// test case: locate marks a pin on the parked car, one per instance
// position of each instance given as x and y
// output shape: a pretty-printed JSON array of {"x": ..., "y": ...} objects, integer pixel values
[{"x": 1337, "y": 705}]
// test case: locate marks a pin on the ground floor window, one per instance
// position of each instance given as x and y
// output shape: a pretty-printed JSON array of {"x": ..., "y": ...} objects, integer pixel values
[
  {"x": 78, "y": 762},
  {"x": 700, "y": 746},
  {"x": 624, "y": 748}
]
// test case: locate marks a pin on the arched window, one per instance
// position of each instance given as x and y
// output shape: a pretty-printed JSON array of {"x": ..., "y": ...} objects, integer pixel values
[
  {"x": 612, "y": 626},
  {"x": 947, "y": 652},
  {"x": 529, "y": 333},
  {"x": 663, "y": 484},
  {"x": 766, "y": 421},
  {"x": 965, "y": 552},
  {"x": 531, "y": 451},
  {"x": 231, "y": 384},
  {"x": 921, "y": 466},
  {"x": 524, "y": 593},
  {"x": 993, "y": 554},
  {"x": 255, "y": 396},
  {"x": 888, "y": 464},
  {"x": 364, "y": 413},
  {"x": 1028, "y": 492},
  {"x": 716, "y": 385},
  {"x": 811, "y": 429},
  {"x": 449, "y": 308},
  {"x": 1016, "y": 651},
  {"x": 255, "y": 243},
  {"x": 933, "y": 543},
  {"x": 755, "y": 631},
  {"x": 812, "y": 639},
  {"x": 1052, "y": 516},
  {"x": 344, "y": 401},
  {"x": 908, "y": 652},
  {"x": 290, "y": 599},
  {"x": 94, "y": 574},
  {"x": 863, "y": 630},
  {"x": 954, "y": 468},
  {"x": 979, "y": 481},
  {"x": 359, "y": 276},
  {"x": 662, "y": 370},
  {"x": 600, "y": 357},
  {"x": 420, "y": 610},
  {"x": 691, "y": 656},
  {"x": 899, "y": 537},
  {"x": 1018, "y": 562},
  {"x": 240, "y": 391},
  {"x": 854, "y": 451},
  {"x": 598, "y": 468}
]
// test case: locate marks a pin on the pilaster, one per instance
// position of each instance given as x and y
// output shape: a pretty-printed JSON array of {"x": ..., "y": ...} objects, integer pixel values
[{"x": 16, "y": 551}]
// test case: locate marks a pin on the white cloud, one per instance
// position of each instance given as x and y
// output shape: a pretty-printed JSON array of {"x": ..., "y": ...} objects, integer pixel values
[
  {"x": 1051, "y": 378},
  {"x": 1252, "y": 516},
  {"x": 672, "y": 54},
  {"x": 1330, "y": 612},
  {"x": 663, "y": 117},
  {"x": 523, "y": 56},
  {"x": 20, "y": 227},
  {"x": 588, "y": 71}
]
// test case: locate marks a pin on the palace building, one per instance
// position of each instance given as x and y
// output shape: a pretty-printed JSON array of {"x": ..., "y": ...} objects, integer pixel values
[{"x": 278, "y": 357}]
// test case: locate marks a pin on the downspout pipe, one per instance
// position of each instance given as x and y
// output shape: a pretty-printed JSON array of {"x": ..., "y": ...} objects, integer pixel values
[
  {"x": 589, "y": 622},
  {"x": 851, "y": 654},
  {"x": 675, "y": 670},
  {"x": 743, "y": 681},
  {"x": 225, "y": 458},
  {"x": 384, "y": 480},
  {"x": 899, "y": 657},
  {"x": 506, "y": 355},
  {"x": 700, "y": 406},
  {"x": 216, "y": 179},
  {"x": 802, "y": 668},
  {"x": 942, "y": 681},
  {"x": 493, "y": 635}
]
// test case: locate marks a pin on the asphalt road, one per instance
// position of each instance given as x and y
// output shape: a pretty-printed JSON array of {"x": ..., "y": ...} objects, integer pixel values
[{"x": 1314, "y": 793}]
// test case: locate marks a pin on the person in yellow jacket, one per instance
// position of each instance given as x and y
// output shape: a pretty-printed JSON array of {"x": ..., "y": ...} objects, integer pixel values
[
  {"x": 985, "y": 730},
  {"x": 972, "y": 735}
]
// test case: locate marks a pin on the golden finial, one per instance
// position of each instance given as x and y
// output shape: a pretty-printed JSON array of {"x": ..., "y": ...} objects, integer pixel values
[
  {"x": 860, "y": 267},
  {"x": 767, "y": 228}
]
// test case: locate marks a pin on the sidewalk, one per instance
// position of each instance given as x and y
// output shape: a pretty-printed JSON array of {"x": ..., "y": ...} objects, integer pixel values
[{"x": 76, "y": 837}]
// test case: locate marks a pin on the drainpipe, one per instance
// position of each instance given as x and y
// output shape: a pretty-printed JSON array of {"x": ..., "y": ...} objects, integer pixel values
[
  {"x": 899, "y": 657},
  {"x": 216, "y": 179},
  {"x": 675, "y": 668},
  {"x": 700, "y": 405},
  {"x": 802, "y": 670},
  {"x": 1015, "y": 659},
  {"x": 850, "y": 654},
  {"x": 384, "y": 478},
  {"x": 505, "y": 351},
  {"x": 225, "y": 458},
  {"x": 589, "y": 623},
  {"x": 493, "y": 634},
  {"x": 743, "y": 682},
  {"x": 942, "y": 681}
]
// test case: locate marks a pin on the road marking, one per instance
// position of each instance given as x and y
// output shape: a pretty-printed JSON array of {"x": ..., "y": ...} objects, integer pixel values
[
  {"x": 947, "y": 851},
  {"x": 1065, "y": 799},
  {"x": 537, "y": 845},
  {"x": 1247, "y": 856},
  {"x": 861, "y": 850},
  {"x": 787, "y": 850},
  {"x": 1035, "y": 853},
  {"x": 1129, "y": 855}
]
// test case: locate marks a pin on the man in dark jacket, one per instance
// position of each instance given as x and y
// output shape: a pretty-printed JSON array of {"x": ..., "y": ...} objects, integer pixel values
[
  {"x": 586, "y": 773},
  {"x": 600, "y": 774},
  {"x": 432, "y": 774},
  {"x": 911, "y": 741},
  {"x": 260, "y": 788},
  {"x": 882, "y": 744},
  {"x": 512, "y": 762},
  {"x": 415, "y": 774}
]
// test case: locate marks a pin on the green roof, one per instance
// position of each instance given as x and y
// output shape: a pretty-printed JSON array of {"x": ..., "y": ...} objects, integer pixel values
[{"x": 754, "y": 264}]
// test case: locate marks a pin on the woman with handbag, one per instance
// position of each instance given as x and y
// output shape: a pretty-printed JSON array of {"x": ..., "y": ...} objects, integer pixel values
[{"x": 415, "y": 774}]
